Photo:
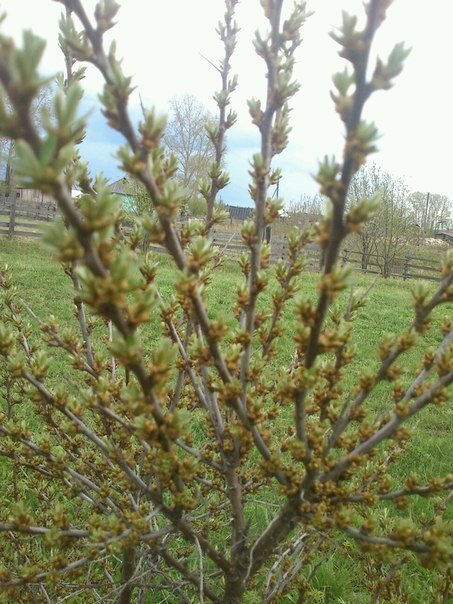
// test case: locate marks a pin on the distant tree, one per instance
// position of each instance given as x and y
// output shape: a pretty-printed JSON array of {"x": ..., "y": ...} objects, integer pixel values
[
  {"x": 141, "y": 203},
  {"x": 392, "y": 227},
  {"x": 40, "y": 105},
  {"x": 431, "y": 211},
  {"x": 305, "y": 210},
  {"x": 186, "y": 137},
  {"x": 197, "y": 207}
]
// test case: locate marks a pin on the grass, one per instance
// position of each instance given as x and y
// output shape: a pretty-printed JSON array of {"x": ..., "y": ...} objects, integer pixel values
[{"x": 42, "y": 283}]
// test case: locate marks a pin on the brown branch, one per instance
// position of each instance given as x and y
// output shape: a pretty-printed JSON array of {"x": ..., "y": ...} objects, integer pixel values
[
  {"x": 81, "y": 317},
  {"x": 74, "y": 533},
  {"x": 389, "y": 360},
  {"x": 58, "y": 341},
  {"x": 194, "y": 579},
  {"x": 419, "y": 547},
  {"x": 227, "y": 33},
  {"x": 389, "y": 429},
  {"x": 262, "y": 186},
  {"x": 421, "y": 491}
]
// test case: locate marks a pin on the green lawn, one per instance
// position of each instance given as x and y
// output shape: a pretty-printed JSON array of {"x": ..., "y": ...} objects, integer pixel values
[{"x": 44, "y": 286}]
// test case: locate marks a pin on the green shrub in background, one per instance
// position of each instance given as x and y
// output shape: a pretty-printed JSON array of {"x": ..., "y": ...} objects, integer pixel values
[{"x": 197, "y": 207}]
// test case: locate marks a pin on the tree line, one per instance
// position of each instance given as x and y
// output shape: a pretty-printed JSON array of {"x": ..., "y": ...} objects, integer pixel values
[{"x": 401, "y": 220}]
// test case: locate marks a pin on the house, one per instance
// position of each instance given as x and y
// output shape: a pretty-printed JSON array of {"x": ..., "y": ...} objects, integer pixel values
[
  {"x": 31, "y": 196},
  {"x": 446, "y": 235},
  {"x": 239, "y": 213},
  {"x": 122, "y": 187},
  {"x": 29, "y": 199}
]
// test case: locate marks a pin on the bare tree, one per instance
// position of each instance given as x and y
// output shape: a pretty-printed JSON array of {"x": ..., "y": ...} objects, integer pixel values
[
  {"x": 306, "y": 210},
  {"x": 186, "y": 137},
  {"x": 41, "y": 104},
  {"x": 431, "y": 211},
  {"x": 392, "y": 227}
]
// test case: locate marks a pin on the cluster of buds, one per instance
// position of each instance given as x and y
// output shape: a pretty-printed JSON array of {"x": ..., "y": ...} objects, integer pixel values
[{"x": 218, "y": 177}]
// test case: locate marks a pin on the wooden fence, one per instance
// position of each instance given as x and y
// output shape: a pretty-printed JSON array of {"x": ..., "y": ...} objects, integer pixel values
[
  {"x": 28, "y": 220},
  {"x": 233, "y": 245},
  {"x": 405, "y": 267},
  {"x": 24, "y": 219}
]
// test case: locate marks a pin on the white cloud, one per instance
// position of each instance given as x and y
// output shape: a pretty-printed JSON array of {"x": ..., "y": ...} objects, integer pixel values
[{"x": 162, "y": 43}]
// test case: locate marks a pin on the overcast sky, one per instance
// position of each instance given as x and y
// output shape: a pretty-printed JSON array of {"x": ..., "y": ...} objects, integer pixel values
[{"x": 162, "y": 42}]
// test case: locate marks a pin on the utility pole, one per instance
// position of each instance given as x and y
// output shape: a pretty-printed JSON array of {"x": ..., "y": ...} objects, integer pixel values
[
  {"x": 426, "y": 216},
  {"x": 267, "y": 235},
  {"x": 275, "y": 194}
]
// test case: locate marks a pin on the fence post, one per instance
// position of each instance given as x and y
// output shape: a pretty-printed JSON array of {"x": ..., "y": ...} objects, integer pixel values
[
  {"x": 322, "y": 255},
  {"x": 364, "y": 261},
  {"x": 406, "y": 268},
  {"x": 12, "y": 214},
  {"x": 284, "y": 246},
  {"x": 344, "y": 258}
]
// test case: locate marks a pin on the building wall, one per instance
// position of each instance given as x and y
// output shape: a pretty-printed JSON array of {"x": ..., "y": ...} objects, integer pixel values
[{"x": 34, "y": 196}]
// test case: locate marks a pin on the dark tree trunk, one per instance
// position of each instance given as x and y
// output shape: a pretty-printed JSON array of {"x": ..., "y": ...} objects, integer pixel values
[
  {"x": 234, "y": 590},
  {"x": 127, "y": 573}
]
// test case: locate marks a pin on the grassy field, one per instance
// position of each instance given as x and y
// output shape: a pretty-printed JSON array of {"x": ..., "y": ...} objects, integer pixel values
[{"x": 45, "y": 287}]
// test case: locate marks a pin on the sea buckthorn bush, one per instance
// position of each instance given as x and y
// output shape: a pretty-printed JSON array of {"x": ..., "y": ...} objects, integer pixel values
[{"x": 191, "y": 467}]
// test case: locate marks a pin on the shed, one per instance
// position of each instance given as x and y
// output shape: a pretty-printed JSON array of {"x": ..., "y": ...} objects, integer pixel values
[
  {"x": 446, "y": 235},
  {"x": 240, "y": 213}
]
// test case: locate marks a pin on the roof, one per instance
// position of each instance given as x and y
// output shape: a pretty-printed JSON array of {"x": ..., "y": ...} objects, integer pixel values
[
  {"x": 120, "y": 187},
  {"x": 239, "y": 212},
  {"x": 444, "y": 233}
]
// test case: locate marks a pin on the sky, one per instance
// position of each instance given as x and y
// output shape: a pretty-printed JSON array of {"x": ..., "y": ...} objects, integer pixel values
[{"x": 165, "y": 44}]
